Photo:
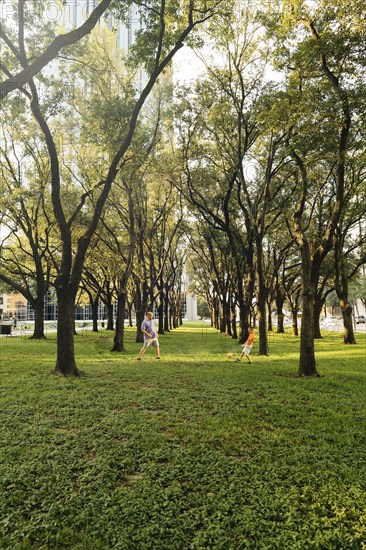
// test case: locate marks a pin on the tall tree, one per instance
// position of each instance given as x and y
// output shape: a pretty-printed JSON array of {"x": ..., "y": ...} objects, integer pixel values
[
  {"x": 232, "y": 154},
  {"x": 26, "y": 219},
  {"x": 322, "y": 61}
]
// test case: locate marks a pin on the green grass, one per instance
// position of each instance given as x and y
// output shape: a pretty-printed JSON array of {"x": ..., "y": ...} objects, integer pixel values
[{"x": 192, "y": 452}]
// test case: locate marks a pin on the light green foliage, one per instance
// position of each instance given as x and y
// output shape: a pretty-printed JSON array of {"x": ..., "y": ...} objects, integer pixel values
[{"x": 194, "y": 451}]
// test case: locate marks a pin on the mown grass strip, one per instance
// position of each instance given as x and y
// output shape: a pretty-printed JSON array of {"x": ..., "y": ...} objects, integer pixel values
[{"x": 194, "y": 451}]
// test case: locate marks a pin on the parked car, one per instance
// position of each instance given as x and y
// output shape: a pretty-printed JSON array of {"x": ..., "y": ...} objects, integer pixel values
[{"x": 360, "y": 319}]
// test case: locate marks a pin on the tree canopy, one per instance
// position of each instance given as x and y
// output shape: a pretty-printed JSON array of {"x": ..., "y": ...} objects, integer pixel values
[{"x": 252, "y": 176}]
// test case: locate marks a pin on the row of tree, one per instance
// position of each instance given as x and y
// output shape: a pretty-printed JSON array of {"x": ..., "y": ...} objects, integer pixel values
[
  {"x": 93, "y": 101},
  {"x": 276, "y": 173},
  {"x": 108, "y": 185}
]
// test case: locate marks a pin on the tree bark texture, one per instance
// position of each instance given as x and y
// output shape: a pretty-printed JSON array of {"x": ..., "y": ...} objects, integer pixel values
[
  {"x": 295, "y": 324},
  {"x": 307, "y": 365},
  {"x": 95, "y": 307},
  {"x": 65, "y": 362},
  {"x": 348, "y": 334},
  {"x": 38, "y": 308},
  {"x": 118, "y": 342},
  {"x": 110, "y": 317}
]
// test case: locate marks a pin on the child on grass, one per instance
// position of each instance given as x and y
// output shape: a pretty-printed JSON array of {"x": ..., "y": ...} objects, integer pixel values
[{"x": 247, "y": 346}]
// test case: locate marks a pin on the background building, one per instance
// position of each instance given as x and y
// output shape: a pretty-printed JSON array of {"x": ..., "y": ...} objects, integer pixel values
[
  {"x": 13, "y": 305},
  {"x": 75, "y": 12}
]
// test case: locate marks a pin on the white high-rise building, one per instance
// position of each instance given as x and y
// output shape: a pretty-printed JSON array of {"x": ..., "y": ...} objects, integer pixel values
[{"x": 75, "y": 12}]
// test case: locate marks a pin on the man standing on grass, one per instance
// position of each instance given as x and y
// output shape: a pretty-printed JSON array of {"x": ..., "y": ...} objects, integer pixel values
[{"x": 148, "y": 329}]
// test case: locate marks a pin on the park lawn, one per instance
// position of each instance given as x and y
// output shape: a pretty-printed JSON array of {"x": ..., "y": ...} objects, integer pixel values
[{"x": 194, "y": 451}]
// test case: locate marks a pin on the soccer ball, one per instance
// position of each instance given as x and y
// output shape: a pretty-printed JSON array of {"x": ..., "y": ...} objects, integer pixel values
[{"x": 229, "y": 355}]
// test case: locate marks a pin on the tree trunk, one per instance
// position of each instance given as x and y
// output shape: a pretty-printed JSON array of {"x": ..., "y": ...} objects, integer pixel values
[
  {"x": 95, "y": 307},
  {"x": 280, "y": 300},
  {"x": 228, "y": 325},
  {"x": 307, "y": 365},
  {"x": 166, "y": 310},
  {"x": 244, "y": 314},
  {"x": 65, "y": 363},
  {"x": 110, "y": 320},
  {"x": 280, "y": 322},
  {"x": 269, "y": 318},
  {"x": 295, "y": 325},
  {"x": 216, "y": 313},
  {"x": 318, "y": 306},
  {"x": 222, "y": 316},
  {"x": 139, "y": 318},
  {"x": 245, "y": 302},
  {"x": 341, "y": 287},
  {"x": 175, "y": 319},
  {"x": 307, "y": 352},
  {"x": 234, "y": 332},
  {"x": 38, "y": 308},
  {"x": 129, "y": 310},
  {"x": 348, "y": 335},
  {"x": 141, "y": 308},
  {"x": 161, "y": 308},
  {"x": 263, "y": 336},
  {"x": 171, "y": 315},
  {"x": 261, "y": 299},
  {"x": 309, "y": 282},
  {"x": 118, "y": 341}
]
